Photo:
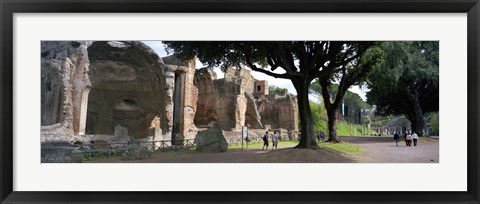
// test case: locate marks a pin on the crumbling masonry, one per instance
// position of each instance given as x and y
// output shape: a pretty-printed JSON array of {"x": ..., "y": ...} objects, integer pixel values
[{"x": 90, "y": 89}]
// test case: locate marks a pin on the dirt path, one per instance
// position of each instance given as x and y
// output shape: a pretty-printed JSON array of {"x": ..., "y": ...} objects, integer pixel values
[
  {"x": 383, "y": 150},
  {"x": 281, "y": 155},
  {"x": 377, "y": 150}
]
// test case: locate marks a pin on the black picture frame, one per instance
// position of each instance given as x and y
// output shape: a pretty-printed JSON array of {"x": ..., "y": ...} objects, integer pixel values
[{"x": 10, "y": 7}]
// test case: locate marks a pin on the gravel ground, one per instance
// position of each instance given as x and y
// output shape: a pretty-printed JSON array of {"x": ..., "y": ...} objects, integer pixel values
[
  {"x": 383, "y": 150},
  {"x": 377, "y": 150}
]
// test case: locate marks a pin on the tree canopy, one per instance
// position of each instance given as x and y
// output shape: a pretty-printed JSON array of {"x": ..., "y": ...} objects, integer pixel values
[
  {"x": 407, "y": 82},
  {"x": 353, "y": 103},
  {"x": 299, "y": 61},
  {"x": 350, "y": 98},
  {"x": 353, "y": 73}
]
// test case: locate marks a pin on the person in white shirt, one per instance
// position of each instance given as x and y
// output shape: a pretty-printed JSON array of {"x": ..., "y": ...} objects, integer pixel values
[
  {"x": 274, "y": 140},
  {"x": 415, "y": 139}
]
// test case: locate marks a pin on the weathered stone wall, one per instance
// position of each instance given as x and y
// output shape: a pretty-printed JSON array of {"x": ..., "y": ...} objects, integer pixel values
[
  {"x": 60, "y": 152},
  {"x": 190, "y": 103},
  {"x": 247, "y": 84},
  {"x": 261, "y": 89},
  {"x": 252, "y": 116},
  {"x": 55, "y": 133},
  {"x": 89, "y": 88},
  {"x": 207, "y": 96},
  {"x": 128, "y": 83},
  {"x": 279, "y": 112},
  {"x": 185, "y": 71},
  {"x": 222, "y": 100},
  {"x": 64, "y": 79},
  {"x": 230, "y": 102},
  {"x": 92, "y": 87},
  {"x": 134, "y": 110}
]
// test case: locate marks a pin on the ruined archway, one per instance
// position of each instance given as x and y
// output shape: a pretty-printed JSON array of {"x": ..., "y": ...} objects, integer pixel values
[
  {"x": 91, "y": 88},
  {"x": 128, "y": 86},
  {"x": 181, "y": 99}
]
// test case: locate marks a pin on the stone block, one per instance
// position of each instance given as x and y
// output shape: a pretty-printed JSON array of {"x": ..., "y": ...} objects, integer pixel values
[
  {"x": 211, "y": 140},
  {"x": 121, "y": 132},
  {"x": 60, "y": 152}
]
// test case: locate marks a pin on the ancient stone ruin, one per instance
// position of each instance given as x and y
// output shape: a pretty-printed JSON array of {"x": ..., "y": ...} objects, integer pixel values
[
  {"x": 240, "y": 100},
  {"x": 211, "y": 140},
  {"x": 90, "y": 89}
]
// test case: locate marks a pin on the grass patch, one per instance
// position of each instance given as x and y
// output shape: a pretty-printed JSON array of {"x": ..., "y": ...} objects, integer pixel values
[
  {"x": 96, "y": 156},
  {"x": 259, "y": 145},
  {"x": 343, "y": 147},
  {"x": 343, "y": 128}
]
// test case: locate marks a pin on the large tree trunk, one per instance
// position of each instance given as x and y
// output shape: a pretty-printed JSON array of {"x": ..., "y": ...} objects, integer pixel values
[
  {"x": 415, "y": 115},
  {"x": 331, "y": 109},
  {"x": 332, "y": 124},
  {"x": 307, "y": 141},
  {"x": 418, "y": 124}
]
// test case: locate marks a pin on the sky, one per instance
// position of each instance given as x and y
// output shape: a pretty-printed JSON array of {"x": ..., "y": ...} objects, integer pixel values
[{"x": 282, "y": 83}]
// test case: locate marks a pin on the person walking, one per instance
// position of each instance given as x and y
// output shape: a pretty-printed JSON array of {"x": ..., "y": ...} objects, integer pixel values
[
  {"x": 274, "y": 140},
  {"x": 320, "y": 135},
  {"x": 409, "y": 139},
  {"x": 265, "y": 141},
  {"x": 396, "y": 137},
  {"x": 415, "y": 139}
]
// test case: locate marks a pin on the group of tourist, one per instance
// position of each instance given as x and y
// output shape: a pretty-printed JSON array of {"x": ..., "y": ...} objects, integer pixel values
[
  {"x": 409, "y": 138},
  {"x": 266, "y": 139}
]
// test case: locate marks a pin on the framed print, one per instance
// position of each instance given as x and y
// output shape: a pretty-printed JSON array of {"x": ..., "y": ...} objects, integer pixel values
[{"x": 121, "y": 120}]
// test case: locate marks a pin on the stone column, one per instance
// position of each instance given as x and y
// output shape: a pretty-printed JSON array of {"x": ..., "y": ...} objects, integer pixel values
[
  {"x": 181, "y": 101},
  {"x": 83, "y": 111},
  {"x": 189, "y": 103},
  {"x": 170, "y": 80}
]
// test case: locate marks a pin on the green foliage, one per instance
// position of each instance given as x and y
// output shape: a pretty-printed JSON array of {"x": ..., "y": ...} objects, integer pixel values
[
  {"x": 274, "y": 90},
  {"x": 320, "y": 122},
  {"x": 354, "y": 72},
  {"x": 343, "y": 147},
  {"x": 319, "y": 116},
  {"x": 434, "y": 123},
  {"x": 297, "y": 58},
  {"x": 345, "y": 129},
  {"x": 352, "y": 101},
  {"x": 259, "y": 145},
  {"x": 410, "y": 70},
  {"x": 302, "y": 61},
  {"x": 382, "y": 121},
  {"x": 407, "y": 82}
]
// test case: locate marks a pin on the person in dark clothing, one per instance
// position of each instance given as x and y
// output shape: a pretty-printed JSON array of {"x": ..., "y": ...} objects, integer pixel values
[
  {"x": 265, "y": 141},
  {"x": 396, "y": 137},
  {"x": 320, "y": 136}
]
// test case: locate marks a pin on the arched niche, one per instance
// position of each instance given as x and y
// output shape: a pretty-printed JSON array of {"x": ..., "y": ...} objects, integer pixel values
[{"x": 128, "y": 88}]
